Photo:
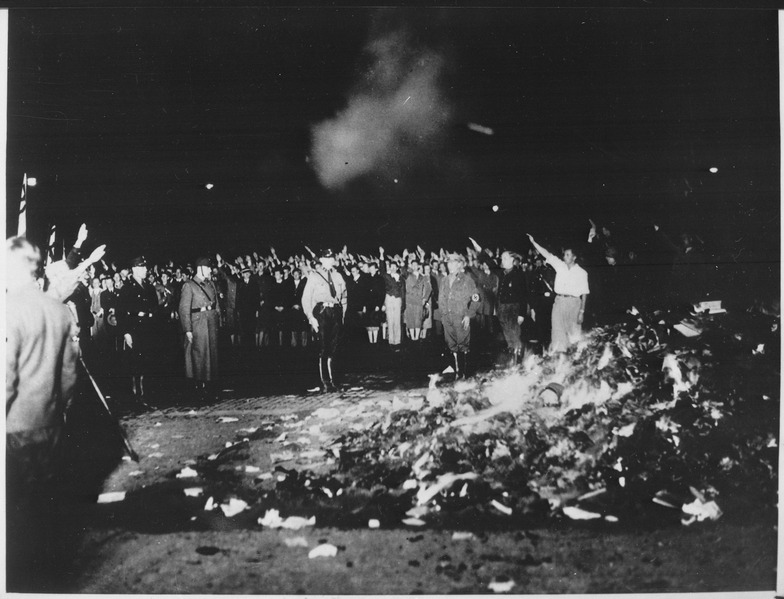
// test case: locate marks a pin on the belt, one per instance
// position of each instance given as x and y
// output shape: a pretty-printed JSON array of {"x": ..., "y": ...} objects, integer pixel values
[
  {"x": 144, "y": 315},
  {"x": 202, "y": 309},
  {"x": 564, "y": 295},
  {"x": 329, "y": 304}
]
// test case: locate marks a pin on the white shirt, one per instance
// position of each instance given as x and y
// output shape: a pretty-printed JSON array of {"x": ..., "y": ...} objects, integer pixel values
[{"x": 568, "y": 281}]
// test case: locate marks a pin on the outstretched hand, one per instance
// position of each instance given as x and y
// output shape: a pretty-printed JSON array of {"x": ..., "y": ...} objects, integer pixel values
[
  {"x": 82, "y": 235},
  {"x": 97, "y": 254}
]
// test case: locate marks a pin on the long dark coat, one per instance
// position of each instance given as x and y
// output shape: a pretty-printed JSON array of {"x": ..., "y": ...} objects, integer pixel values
[{"x": 201, "y": 355}]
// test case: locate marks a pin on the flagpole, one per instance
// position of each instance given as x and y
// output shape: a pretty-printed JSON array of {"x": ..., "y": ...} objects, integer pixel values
[{"x": 21, "y": 227}]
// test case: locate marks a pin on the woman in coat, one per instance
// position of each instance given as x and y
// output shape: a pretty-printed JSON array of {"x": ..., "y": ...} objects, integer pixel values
[{"x": 418, "y": 290}]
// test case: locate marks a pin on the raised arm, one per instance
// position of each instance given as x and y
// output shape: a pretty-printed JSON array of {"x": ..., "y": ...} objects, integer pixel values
[{"x": 539, "y": 248}]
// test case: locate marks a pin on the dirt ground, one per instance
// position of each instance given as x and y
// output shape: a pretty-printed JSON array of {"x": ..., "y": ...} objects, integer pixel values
[{"x": 157, "y": 537}]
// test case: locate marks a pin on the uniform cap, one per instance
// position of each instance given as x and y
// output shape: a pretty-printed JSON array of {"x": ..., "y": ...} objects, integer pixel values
[
  {"x": 139, "y": 261},
  {"x": 203, "y": 262},
  {"x": 328, "y": 253}
]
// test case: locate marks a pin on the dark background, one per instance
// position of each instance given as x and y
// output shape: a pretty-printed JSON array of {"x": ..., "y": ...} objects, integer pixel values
[{"x": 123, "y": 115}]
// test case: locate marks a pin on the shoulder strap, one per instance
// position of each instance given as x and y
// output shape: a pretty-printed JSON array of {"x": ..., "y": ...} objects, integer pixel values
[
  {"x": 204, "y": 291},
  {"x": 331, "y": 285}
]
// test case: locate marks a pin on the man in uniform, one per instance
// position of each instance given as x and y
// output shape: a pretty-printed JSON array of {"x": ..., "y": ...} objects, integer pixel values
[
  {"x": 138, "y": 304},
  {"x": 199, "y": 318},
  {"x": 42, "y": 349},
  {"x": 324, "y": 304},
  {"x": 571, "y": 291},
  {"x": 458, "y": 300},
  {"x": 512, "y": 303}
]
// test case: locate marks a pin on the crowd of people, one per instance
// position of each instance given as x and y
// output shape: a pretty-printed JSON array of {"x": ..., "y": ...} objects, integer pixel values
[{"x": 137, "y": 317}]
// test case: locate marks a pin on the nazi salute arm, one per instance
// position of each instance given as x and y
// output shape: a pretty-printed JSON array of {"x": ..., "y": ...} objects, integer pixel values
[{"x": 547, "y": 255}]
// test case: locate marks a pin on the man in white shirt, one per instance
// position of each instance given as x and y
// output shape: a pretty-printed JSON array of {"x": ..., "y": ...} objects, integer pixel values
[{"x": 571, "y": 291}]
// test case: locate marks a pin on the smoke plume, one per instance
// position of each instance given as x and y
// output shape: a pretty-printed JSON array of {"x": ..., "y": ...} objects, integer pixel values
[{"x": 392, "y": 118}]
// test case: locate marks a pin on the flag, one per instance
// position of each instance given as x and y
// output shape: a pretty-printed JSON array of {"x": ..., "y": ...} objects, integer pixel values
[
  {"x": 50, "y": 248},
  {"x": 21, "y": 228}
]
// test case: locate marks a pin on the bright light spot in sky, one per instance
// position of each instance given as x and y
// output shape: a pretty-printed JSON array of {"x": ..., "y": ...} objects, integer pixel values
[
  {"x": 209, "y": 186},
  {"x": 395, "y": 180},
  {"x": 495, "y": 208},
  {"x": 713, "y": 169}
]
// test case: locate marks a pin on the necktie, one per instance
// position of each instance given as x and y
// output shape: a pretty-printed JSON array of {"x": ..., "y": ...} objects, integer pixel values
[{"x": 331, "y": 285}]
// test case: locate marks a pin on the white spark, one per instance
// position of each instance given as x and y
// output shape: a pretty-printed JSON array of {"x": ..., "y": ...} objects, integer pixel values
[{"x": 480, "y": 129}]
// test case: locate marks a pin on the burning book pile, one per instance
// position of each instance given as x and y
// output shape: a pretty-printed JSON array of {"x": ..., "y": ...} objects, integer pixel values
[{"x": 635, "y": 422}]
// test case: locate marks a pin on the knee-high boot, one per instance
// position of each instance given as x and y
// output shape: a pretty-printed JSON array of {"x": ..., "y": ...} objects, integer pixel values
[
  {"x": 321, "y": 372},
  {"x": 462, "y": 358},
  {"x": 331, "y": 381}
]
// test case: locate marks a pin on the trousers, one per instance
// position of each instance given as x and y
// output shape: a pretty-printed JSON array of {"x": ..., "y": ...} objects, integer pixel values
[
  {"x": 393, "y": 306},
  {"x": 458, "y": 338},
  {"x": 507, "y": 316},
  {"x": 565, "y": 329},
  {"x": 330, "y": 323}
]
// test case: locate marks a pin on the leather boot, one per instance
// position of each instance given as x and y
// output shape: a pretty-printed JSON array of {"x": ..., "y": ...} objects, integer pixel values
[
  {"x": 463, "y": 360},
  {"x": 331, "y": 381},
  {"x": 321, "y": 373}
]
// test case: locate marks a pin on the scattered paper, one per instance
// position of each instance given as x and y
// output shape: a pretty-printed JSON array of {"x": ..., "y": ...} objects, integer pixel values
[
  {"x": 234, "y": 507},
  {"x": 227, "y": 419},
  {"x": 698, "y": 511},
  {"x": 252, "y": 469},
  {"x": 187, "y": 473},
  {"x": 463, "y": 536},
  {"x": 373, "y": 523},
  {"x": 576, "y": 513},
  {"x": 686, "y": 330},
  {"x": 324, "y": 550},
  {"x": 272, "y": 519},
  {"x": 498, "y": 585},
  {"x": 295, "y": 542},
  {"x": 193, "y": 491},
  {"x": 413, "y": 522}
]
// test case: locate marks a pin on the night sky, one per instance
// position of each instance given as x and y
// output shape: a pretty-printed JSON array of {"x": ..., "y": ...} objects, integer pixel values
[{"x": 352, "y": 125}]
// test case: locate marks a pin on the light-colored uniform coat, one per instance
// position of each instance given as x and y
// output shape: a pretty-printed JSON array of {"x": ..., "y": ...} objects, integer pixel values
[
  {"x": 456, "y": 300},
  {"x": 41, "y": 352},
  {"x": 418, "y": 290},
  {"x": 201, "y": 355}
]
